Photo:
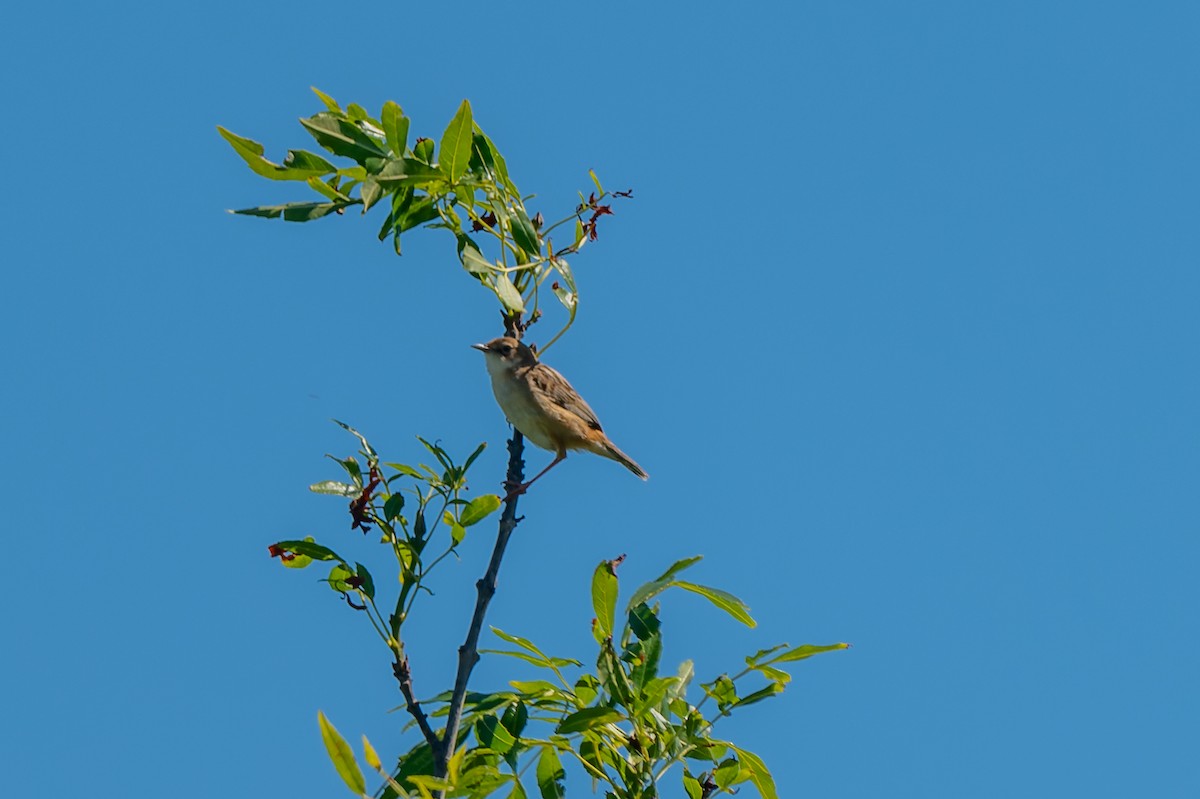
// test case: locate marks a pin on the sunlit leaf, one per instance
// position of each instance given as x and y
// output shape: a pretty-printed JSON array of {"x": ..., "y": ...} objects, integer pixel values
[
  {"x": 550, "y": 774},
  {"x": 604, "y": 596},
  {"x": 393, "y": 506},
  {"x": 395, "y": 128},
  {"x": 329, "y": 102},
  {"x": 455, "y": 148},
  {"x": 309, "y": 549},
  {"x": 806, "y": 651},
  {"x": 509, "y": 297},
  {"x": 474, "y": 262},
  {"x": 492, "y": 734},
  {"x": 723, "y": 600},
  {"x": 336, "y": 488},
  {"x": 342, "y": 756},
  {"x": 588, "y": 718},
  {"x": 479, "y": 509},
  {"x": 342, "y": 137},
  {"x": 759, "y": 774},
  {"x": 523, "y": 233},
  {"x": 368, "y": 582},
  {"x": 371, "y": 756},
  {"x": 293, "y": 212},
  {"x": 252, "y": 153}
]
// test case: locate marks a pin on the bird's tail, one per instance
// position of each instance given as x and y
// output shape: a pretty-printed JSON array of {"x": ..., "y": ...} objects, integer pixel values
[{"x": 611, "y": 451}]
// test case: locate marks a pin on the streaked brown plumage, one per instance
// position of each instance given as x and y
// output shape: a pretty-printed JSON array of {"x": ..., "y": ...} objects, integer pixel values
[{"x": 540, "y": 403}]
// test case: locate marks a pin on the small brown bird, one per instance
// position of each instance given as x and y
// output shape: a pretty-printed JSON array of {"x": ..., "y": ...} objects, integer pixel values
[{"x": 540, "y": 403}]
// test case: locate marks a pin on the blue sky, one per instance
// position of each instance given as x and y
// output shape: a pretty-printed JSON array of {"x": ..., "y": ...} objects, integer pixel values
[{"x": 902, "y": 323}]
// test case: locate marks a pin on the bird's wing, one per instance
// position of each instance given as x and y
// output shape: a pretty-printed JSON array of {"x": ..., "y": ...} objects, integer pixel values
[{"x": 556, "y": 387}]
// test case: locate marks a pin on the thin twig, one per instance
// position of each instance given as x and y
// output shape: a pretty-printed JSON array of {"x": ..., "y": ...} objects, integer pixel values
[
  {"x": 468, "y": 653},
  {"x": 404, "y": 677}
]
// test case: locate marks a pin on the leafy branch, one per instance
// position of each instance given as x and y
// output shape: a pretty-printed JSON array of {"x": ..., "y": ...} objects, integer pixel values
[
  {"x": 462, "y": 186},
  {"x": 626, "y": 724}
]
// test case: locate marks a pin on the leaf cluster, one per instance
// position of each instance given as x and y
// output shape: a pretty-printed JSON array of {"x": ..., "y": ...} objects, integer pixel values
[
  {"x": 625, "y": 724},
  {"x": 410, "y": 506},
  {"x": 460, "y": 183}
]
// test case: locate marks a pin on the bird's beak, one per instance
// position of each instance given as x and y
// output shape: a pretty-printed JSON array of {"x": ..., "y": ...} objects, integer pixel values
[{"x": 480, "y": 347}]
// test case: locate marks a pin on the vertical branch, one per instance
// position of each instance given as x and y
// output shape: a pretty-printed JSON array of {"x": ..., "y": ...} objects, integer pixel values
[
  {"x": 468, "y": 653},
  {"x": 404, "y": 676}
]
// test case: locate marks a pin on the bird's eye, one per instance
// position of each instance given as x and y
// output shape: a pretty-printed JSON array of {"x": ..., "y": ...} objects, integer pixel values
[{"x": 505, "y": 350}]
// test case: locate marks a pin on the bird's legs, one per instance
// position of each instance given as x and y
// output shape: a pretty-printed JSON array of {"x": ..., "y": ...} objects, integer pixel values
[{"x": 520, "y": 488}]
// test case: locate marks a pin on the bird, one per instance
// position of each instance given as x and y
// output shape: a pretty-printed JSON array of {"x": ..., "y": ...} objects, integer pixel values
[{"x": 543, "y": 406}]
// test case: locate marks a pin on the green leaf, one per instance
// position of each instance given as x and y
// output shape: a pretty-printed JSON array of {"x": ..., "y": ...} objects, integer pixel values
[
  {"x": 565, "y": 296},
  {"x": 479, "y": 509},
  {"x": 336, "y": 488},
  {"x": 370, "y": 194},
  {"x": 492, "y": 734},
  {"x": 654, "y": 693},
  {"x": 456, "y": 143},
  {"x": 416, "y": 213},
  {"x": 588, "y": 718},
  {"x": 587, "y": 689},
  {"x": 338, "y": 577},
  {"x": 501, "y": 168},
  {"x": 423, "y": 151},
  {"x": 515, "y": 717},
  {"x": 293, "y": 212},
  {"x": 342, "y": 137},
  {"x": 403, "y": 468},
  {"x": 759, "y": 695},
  {"x": 395, "y": 128},
  {"x": 524, "y": 643},
  {"x": 687, "y": 670},
  {"x": 726, "y": 772},
  {"x": 327, "y": 191},
  {"x": 474, "y": 262},
  {"x": 759, "y": 774},
  {"x": 723, "y": 600},
  {"x": 342, "y": 756},
  {"x": 643, "y": 623},
  {"x": 393, "y": 506},
  {"x": 523, "y": 233},
  {"x": 329, "y": 102},
  {"x": 252, "y": 153},
  {"x": 510, "y": 298},
  {"x": 655, "y": 587},
  {"x": 309, "y": 549},
  {"x": 368, "y": 582},
  {"x": 604, "y": 596},
  {"x": 550, "y": 774},
  {"x": 536, "y": 689},
  {"x": 308, "y": 162},
  {"x": 457, "y": 533},
  {"x": 596, "y": 181},
  {"x": 371, "y": 756},
  {"x": 805, "y": 651},
  {"x": 471, "y": 458},
  {"x": 691, "y": 786},
  {"x": 753, "y": 660},
  {"x": 723, "y": 691},
  {"x": 407, "y": 170},
  {"x": 680, "y": 565}
]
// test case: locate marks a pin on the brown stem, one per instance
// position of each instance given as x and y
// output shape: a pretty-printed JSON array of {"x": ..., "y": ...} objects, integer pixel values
[
  {"x": 404, "y": 676},
  {"x": 468, "y": 653}
]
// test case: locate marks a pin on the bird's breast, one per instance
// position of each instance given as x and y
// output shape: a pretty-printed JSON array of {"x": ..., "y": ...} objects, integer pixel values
[{"x": 522, "y": 409}]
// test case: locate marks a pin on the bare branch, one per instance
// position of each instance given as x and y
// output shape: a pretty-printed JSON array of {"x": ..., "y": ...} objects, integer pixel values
[
  {"x": 468, "y": 653},
  {"x": 404, "y": 677}
]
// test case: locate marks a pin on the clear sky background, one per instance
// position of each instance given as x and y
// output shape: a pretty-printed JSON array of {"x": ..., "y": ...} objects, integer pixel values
[{"x": 902, "y": 323}]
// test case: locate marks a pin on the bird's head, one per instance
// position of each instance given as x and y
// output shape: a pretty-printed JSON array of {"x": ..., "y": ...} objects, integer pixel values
[{"x": 505, "y": 354}]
